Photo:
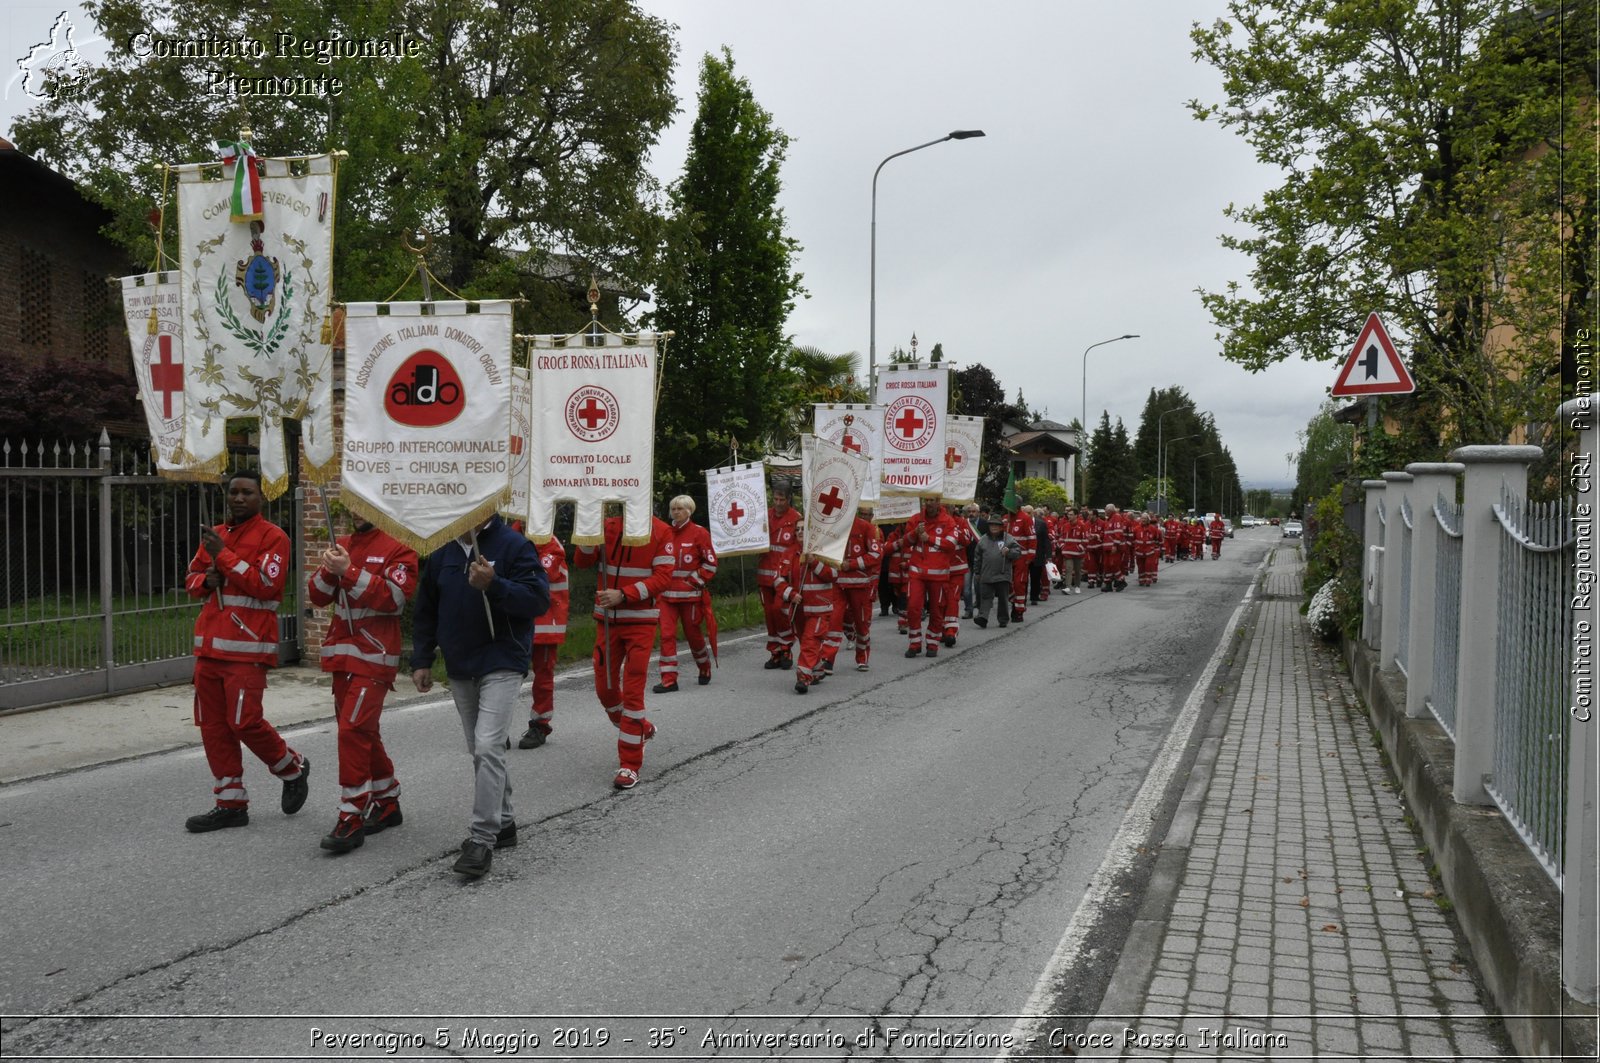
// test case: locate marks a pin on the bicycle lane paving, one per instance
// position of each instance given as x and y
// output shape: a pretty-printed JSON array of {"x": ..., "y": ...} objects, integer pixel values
[{"x": 1303, "y": 920}]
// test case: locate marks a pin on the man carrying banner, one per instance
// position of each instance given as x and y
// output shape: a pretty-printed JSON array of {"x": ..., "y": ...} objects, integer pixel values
[
  {"x": 239, "y": 573},
  {"x": 929, "y": 539},
  {"x": 857, "y": 582},
  {"x": 549, "y": 632},
  {"x": 687, "y": 597},
  {"x": 817, "y": 593},
  {"x": 631, "y": 579},
  {"x": 775, "y": 574},
  {"x": 369, "y": 577},
  {"x": 477, "y": 601}
]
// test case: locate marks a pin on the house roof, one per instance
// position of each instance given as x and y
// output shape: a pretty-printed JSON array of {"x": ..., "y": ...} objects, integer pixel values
[
  {"x": 1039, "y": 441},
  {"x": 1048, "y": 426}
]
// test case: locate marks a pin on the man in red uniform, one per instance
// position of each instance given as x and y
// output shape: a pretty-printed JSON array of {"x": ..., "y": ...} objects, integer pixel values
[
  {"x": 549, "y": 632},
  {"x": 928, "y": 538},
  {"x": 775, "y": 574},
  {"x": 687, "y": 597},
  {"x": 1197, "y": 540},
  {"x": 1020, "y": 527},
  {"x": 817, "y": 594},
  {"x": 1170, "y": 534},
  {"x": 897, "y": 559},
  {"x": 1074, "y": 531},
  {"x": 853, "y": 590},
  {"x": 1146, "y": 549},
  {"x": 239, "y": 572},
  {"x": 1215, "y": 532},
  {"x": 1093, "y": 534},
  {"x": 1118, "y": 557},
  {"x": 369, "y": 577},
  {"x": 626, "y": 615},
  {"x": 962, "y": 538}
]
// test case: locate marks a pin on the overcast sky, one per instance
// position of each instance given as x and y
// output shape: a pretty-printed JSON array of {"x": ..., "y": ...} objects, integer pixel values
[{"x": 1090, "y": 209}]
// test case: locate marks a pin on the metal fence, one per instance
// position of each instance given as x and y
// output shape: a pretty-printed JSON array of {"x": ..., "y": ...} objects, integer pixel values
[
  {"x": 1376, "y": 552},
  {"x": 1405, "y": 586},
  {"x": 1529, "y": 778},
  {"x": 92, "y": 598},
  {"x": 1446, "y": 614}
]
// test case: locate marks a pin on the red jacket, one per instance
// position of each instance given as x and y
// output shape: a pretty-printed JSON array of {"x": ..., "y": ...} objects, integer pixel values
[
  {"x": 1020, "y": 528},
  {"x": 964, "y": 537},
  {"x": 863, "y": 558},
  {"x": 1146, "y": 540},
  {"x": 897, "y": 556},
  {"x": 239, "y": 621},
  {"x": 931, "y": 559},
  {"x": 1073, "y": 536},
  {"x": 697, "y": 563},
  {"x": 551, "y": 628},
  {"x": 1216, "y": 531},
  {"x": 364, "y": 637},
  {"x": 641, "y": 573},
  {"x": 776, "y": 567}
]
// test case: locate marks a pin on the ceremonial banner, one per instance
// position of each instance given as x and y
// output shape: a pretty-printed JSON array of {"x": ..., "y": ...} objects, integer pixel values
[
  {"x": 158, "y": 363},
  {"x": 856, "y": 428},
  {"x": 736, "y": 509},
  {"x": 963, "y": 440},
  {"x": 427, "y": 408},
  {"x": 521, "y": 433},
  {"x": 256, "y": 306},
  {"x": 835, "y": 479},
  {"x": 895, "y": 509},
  {"x": 594, "y": 429},
  {"x": 914, "y": 401}
]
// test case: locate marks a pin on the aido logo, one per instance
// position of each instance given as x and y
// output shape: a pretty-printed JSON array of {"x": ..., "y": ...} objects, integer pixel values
[{"x": 425, "y": 392}]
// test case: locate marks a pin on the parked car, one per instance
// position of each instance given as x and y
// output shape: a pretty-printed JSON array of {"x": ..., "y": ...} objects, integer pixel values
[
  {"x": 1291, "y": 529},
  {"x": 1227, "y": 526},
  {"x": 1273, "y": 521},
  {"x": 1247, "y": 521}
]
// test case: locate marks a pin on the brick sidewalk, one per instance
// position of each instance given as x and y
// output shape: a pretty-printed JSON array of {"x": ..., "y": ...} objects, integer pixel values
[{"x": 1304, "y": 920}]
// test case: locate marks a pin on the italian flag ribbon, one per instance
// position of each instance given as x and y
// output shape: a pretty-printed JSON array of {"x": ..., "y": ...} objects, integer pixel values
[{"x": 245, "y": 203}]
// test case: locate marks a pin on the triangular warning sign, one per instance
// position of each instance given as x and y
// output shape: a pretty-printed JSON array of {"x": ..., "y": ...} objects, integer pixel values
[{"x": 1373, "y": 367}]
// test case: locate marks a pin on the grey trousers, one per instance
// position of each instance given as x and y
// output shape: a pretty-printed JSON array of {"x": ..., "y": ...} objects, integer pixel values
[
  {"x": 989, "y": 592},
  {"x": 486, "y": 706}
]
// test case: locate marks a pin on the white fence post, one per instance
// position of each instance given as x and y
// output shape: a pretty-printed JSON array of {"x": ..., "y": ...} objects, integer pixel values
[
  {"x": 1487, "y": 468},
  {"x": 1429, "y": 479},
  {"x": 1370, "y": 602},
  {"x": 1393, "y": 572},
  {"x": 1580, "y": 964}
]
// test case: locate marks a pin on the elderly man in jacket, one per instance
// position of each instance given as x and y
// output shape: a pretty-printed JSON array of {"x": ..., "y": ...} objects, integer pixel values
[{"x": 993, "y": 559}]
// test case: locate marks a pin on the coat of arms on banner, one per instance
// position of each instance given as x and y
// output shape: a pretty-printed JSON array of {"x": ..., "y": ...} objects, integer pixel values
[
  {"x": 256, "y": 295},
  {"x": 856, "y": 428},
  {"x": 963, "y": 451},
  {"x": 153, "y": 298},
  {"x": 736, "y": 510},
  {"x": 593, "y": 440},
  {"x": 427, "y": 411},
  {"x": 914, "y": 401}
]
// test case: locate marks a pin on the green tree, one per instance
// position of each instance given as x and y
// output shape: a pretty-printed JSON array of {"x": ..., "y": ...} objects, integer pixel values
[
  {"x": 1037, "y": 491},
  {"x": 520, "y": 130},
  {"x": 1324, "y": 459},
  {"x": 1150, "y": 488},
  {"x": 1113, "y": 474},
  {"x": 817, "y": 376},
  {"x": 1439, "y": 166},
  {"x": 730, "y": 287},
  {"x": 979, "y": 393}
]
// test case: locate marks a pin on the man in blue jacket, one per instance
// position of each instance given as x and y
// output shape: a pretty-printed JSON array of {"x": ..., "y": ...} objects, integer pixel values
[{"x": 476, "y": 601}]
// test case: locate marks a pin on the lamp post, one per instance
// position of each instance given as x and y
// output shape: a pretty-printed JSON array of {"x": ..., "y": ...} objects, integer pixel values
[
  {"x": 1193, "y": 488},
  {"x": 1083, "y": 420},
  {"x": 872, "y": 326},
  {"x": 1167, "y": 462},
  {"x": 1160, "y": 457}
]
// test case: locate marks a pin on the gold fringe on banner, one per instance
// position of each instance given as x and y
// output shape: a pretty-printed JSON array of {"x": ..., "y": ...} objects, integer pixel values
[{"x": 362, "y": 507}]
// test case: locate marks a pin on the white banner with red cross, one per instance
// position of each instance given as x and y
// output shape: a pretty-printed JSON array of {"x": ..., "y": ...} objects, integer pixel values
[
  {"x": 152, "y": 307},
  {"x": 594, "y": 430},
  {"x": 856, "y": 428},
  {"x": 914, "y": 400},
  {"x": 426, "y": 416},
  {"x": 257, "y": 293},
  {"x": 963, "y": 447},
  {"x": 834, "y": 480},
  {"x": 521, "y": 436},
  {"x": 736, "y": 509}
]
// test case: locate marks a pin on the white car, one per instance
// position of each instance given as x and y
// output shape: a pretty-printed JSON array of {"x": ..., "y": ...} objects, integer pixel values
[{"x": 1291, "y": 529}]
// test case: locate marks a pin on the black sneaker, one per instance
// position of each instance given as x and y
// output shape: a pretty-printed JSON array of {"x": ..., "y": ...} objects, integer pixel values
[
  {"x": 218, "y": 818},
  {"x": 932, "y": 651},
  {"x": 665, "y": 688},
  {"x": 296, "y": 789},
  {"x": 380, "y": 819},
  {"x": 981, "y": 621},
  {"x": 347, "y": 834},
  {"x": 827, "y": 666},
  {"x": 772, "y": 662},
  {"x": 705, "y": 679},
  {"x": 532, "y": 738},
  {"x": 475, "y": 859},
  {"x": 786, "y": 662},
  {"x": 949, "y": 640},
  {"x": 800, "y": 687},
  {"x": 507, "y": 838},
  {"x": 913, "y": 652}
]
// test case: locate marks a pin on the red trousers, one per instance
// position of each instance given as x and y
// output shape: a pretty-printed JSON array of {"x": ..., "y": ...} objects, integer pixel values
[
  {"x": 780, "y": 629},
  {"x": 952, "y": 603},
  {"x": 543, "y": 672},
  {"x": 692, "y": 616},
  {"x": 816, "y": 617},
  {"x": 929, "y": 594},
  {"x": 621, "y": 687},
  {"x": 1147, "y": 568},
  {"x": 1216, "y": 549},
  {"x": 366, "y": 774},
  {"x": 227, "y": 709},
  {"x": 1019, "y": 586},
  {"x": 852, "y": 611}
]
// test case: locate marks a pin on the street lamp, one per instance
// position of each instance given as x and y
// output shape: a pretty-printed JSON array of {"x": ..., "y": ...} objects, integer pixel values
[
  {"x": 1083, "y": 421},
  {"x": 1166, "y": 461},
  {"x": 872, "y": 327},
  {"x": 1160, "y": 457}
]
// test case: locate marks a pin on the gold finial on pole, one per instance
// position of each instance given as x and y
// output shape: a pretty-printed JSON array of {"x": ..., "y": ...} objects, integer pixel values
[
  {"x": 594, "y": 298},
  {"x": 913, "y": 348}
]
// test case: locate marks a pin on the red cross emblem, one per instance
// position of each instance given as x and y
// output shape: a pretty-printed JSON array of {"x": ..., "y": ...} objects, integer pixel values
[
  {"x": 166, "y": 376},
  {"x": 909, "y": 422},
  {"x": 951, "y": 458},
  {"x": 734, "y": 513},
  {"x": 591, "y": 413},
  {"x": 849, "y": 443},
  {"x": 830, "y": 501}
]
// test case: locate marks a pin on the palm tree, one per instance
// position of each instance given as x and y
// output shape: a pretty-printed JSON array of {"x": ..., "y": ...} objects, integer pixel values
[{"x": 817, "y": 376}]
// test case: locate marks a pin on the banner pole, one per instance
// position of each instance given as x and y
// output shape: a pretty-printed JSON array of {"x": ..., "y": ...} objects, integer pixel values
[{"x": 487, "y": 611}]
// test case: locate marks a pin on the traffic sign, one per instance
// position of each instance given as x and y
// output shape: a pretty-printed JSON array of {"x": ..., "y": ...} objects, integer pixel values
[{"x": 1373, "y": 366}]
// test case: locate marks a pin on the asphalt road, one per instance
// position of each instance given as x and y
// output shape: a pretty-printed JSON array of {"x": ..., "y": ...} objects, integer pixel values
[{"x": 895, "y": 850}]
